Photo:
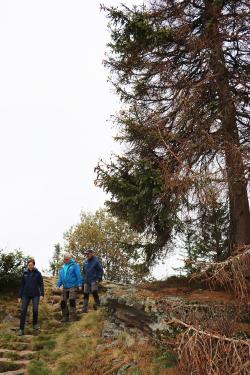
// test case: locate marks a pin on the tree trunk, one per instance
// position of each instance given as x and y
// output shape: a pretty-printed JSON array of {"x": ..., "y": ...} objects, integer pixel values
[{"x": 237, "y": 183}]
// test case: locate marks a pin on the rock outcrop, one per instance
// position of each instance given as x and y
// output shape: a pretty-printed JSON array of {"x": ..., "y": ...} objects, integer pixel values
[{"x": 138, "y": 308}]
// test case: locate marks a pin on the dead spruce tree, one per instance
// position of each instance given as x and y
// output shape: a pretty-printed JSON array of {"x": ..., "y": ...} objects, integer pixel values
[{"x": 181, "y": 67}]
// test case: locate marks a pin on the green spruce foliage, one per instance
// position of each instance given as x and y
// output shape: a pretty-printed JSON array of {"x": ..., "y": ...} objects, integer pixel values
[
  {"x": 181, "y": 70},
  {"x": 206, "y": 236}
]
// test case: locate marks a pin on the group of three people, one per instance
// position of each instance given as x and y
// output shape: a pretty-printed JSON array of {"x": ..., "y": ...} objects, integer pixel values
[{"x": 70, "y": 278}]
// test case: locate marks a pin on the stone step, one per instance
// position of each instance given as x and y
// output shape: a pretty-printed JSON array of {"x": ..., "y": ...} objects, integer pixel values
[
  {"x": 49, "y": 282},
  {"x": 15, "y": 372},
  {"x": 12, "y": 345},
  {"x": 57, "y": 308},
  {"x": 20, "y": 353},
  {"x": 54, "y": 300},
  {"x": 22, "y": 362},
  {"x": 25, "y": 342},
  {"x": 25, "y": 338},
  {"x": 56, "y": 292},
  {"x": 26, "y": 352}
]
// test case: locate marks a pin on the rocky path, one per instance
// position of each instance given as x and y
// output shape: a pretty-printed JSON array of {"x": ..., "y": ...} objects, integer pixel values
[
  {"x": 17, "y": 352},
  {"x": 15, "y": 361}
]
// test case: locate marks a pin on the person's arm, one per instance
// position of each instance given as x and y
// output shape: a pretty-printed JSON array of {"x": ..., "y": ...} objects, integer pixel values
[
  {"x": 59, "y": 281},
  {"x": 83, "y": 273},
  {"x": 83, "y": 269},
  {"x": 20, "y": 293},
  {"x": 78, "y": 275},
  {"x": 99, "y": 270},
  {"x": 41, "y": 285}
]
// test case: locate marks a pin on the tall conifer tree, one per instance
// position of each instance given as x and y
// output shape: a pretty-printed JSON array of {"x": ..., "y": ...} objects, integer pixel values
[{"x": 181, "y": 67}]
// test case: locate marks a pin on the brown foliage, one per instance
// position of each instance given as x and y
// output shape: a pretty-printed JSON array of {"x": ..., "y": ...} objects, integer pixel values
[
  {"x": 232, "y": 273},
  {"x": 204, "y": 353}
]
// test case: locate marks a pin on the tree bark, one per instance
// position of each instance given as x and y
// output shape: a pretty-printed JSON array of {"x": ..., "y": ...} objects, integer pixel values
[{"x": 235, "y": 170}]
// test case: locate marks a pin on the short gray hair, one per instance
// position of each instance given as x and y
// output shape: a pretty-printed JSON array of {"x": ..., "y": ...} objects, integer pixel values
[{"x": 67, "y": 255}]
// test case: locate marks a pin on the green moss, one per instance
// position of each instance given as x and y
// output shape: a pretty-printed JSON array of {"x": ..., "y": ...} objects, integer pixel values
[
  {"x": 38, "y": 367},
  {"x": 135, "y": 371},
  {"x": 7, "y": 337},
  {"x": 48, "y": 355},
  {"x": 48, "y": 344},
  {"x": 163, "y": 360}
]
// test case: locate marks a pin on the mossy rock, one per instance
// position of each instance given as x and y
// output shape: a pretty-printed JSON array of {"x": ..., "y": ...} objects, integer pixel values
[{"x": 9, "y": 366}]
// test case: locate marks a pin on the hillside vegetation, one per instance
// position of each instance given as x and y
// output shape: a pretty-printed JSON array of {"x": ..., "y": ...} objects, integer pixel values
[
  {"x": 160, "y": 328},
  {"x": 85, "y": 347}
]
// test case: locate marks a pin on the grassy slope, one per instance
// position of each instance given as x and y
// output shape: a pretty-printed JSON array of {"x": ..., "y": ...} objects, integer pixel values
[{"x": 78, "y": 348}]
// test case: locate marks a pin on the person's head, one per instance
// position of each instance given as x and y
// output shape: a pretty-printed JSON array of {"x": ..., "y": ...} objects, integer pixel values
[
  {"x": 89, "y": 253},
  {"x": 67, "y": 258},
  {"x": 31, "y": 264}
]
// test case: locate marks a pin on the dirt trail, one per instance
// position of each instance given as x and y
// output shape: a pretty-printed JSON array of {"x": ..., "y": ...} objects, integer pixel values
[
  {"x": 13, "y": 357},
  {"x": 17, "y": 352}
]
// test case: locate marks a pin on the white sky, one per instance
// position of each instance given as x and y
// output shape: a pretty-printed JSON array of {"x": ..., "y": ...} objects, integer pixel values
[{"x": 54, "y": 105}]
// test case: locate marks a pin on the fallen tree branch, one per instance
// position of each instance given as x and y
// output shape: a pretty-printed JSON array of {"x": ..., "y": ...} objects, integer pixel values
[
  {"x": 206, "y": 333},
  {"x": 203, "y": 353},
  {"x": 231, "y": 273}
]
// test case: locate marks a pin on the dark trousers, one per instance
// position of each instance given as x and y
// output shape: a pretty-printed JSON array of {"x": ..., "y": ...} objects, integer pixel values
[
  {"x": 71, "y": 295},
  {"x": 88, "y": 288},
  {"x": 24, "y": 308}
]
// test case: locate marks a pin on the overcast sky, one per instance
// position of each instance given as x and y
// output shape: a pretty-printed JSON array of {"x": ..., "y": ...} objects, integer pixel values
[{"x": 54, "y": 105}]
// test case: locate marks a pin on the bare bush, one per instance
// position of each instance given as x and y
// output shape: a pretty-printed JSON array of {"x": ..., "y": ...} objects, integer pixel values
[
  {"x": 232, "y": 274},
  {"x": 204, "y": 353}
]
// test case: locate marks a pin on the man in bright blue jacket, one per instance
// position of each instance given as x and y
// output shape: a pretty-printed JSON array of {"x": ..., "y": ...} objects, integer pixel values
[
  {"x": 70, "y": 278},
  {"x": 92, "y": 275}
]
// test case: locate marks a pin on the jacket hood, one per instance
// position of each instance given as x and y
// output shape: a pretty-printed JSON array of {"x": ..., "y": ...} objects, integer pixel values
[{"x": 34, "y": 270}]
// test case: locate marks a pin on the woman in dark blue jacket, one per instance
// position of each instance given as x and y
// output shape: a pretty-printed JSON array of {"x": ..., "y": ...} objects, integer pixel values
[{"x": 32, "y": 289}]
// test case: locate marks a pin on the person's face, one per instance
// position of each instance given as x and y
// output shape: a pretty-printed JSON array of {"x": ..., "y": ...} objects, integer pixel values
[
  {"x": 89, "y": 255},
  {"x": 66, "y": 260},
  {"x": 31, "y": 266}
]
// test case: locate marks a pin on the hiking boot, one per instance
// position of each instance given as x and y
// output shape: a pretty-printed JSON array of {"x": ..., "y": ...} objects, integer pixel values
[
  {"x": 96, "y": 306},
  {"x": 65, "y": 319},
  {"x": 73, "y": 314},
  {"x": 65, "y": 315},
  {"x": 36, "y": 327},
  {"x": 97, "y": 302},
  {"x": 74, "y": 318},
  {"x": 20, "y": 332},
  {"x": 85, "y": 305}
]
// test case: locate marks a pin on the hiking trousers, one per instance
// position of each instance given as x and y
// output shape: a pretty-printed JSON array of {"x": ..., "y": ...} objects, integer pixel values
[
  {"x": 88, "y": 288},
  {"x": 24, "y": 309},
  {"x": 70, "y": 295}
]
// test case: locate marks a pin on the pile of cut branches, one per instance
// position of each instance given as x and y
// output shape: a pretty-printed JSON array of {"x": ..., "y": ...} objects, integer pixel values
[
  {"x": 204, "y": 353},
  {"x": 232, "y": 274}
]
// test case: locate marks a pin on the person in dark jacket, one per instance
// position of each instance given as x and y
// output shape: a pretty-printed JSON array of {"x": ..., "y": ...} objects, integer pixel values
[
  {"x": 32, "y": 289},
  {"x": 92, "y": 275},
  {"x": 71, "y": 280}
]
